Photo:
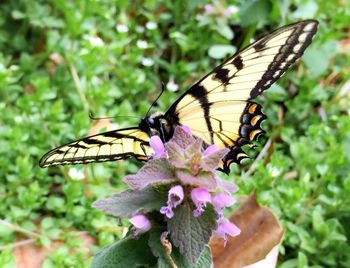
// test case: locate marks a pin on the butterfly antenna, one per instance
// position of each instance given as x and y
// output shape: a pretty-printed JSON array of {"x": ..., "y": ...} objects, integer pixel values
[
  {"x": 92, "y": 117},
  {"x": 155, "y": 101}
]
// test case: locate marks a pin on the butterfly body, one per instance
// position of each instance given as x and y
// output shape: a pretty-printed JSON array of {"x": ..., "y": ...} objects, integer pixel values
[
  {"x": 219, "y": 108},
  {"x": 160, "y": 125}
]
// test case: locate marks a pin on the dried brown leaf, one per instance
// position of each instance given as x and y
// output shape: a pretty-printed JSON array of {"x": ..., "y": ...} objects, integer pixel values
[
  {"x": 100, "y": 124},
  {"x": 260, "y": 232},
  {"x": 32, "y": 255}
]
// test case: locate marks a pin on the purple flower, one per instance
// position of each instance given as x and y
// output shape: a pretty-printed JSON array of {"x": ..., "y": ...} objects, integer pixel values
[
  {"x": 175, "y": 197},
  {"x": 208, "y": 9},
  {"x": 200, "y": 198},
  {"x": 225, "y": 227},
  {"x": 141, "y": 224},
  {"x": 230, "y": 10},
  {"x": 158, "y": 147},
  {"x": 222, "y": 200},
  {"x": 167, "y": 211}
]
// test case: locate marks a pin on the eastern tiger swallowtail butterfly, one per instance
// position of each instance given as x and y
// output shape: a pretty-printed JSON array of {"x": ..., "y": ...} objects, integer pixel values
[{"x": 218, "y": 108}]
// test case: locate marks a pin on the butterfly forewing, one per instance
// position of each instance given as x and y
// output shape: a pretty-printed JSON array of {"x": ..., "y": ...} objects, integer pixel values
[
  {"x": 218, "y": 108},
  {"x": 107, "y": 146}
]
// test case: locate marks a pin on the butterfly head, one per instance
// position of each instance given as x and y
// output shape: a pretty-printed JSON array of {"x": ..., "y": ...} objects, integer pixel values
[{"x": 158, "y": 124}]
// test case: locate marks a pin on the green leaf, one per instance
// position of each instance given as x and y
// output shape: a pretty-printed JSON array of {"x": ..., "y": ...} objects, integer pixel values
[
  {"x": 131, "y": 202},
  {"x": 306, "y": 10},
  {"x": 276, "y": 93},
  {"x": 204, "y": 260},
  {"x": 18, "y": 15},
  {"x": 225, "y": 31},
  {"x": 190, "y": 234},
  {"x": 255, "y": 11},
  {"x": 317, "y": 57},
  {"x": 221, "y": 51},
  {"x": 302, "y": 260},
  {"x": 318, "y": 223},
  {"x": 125, "y": 253}
]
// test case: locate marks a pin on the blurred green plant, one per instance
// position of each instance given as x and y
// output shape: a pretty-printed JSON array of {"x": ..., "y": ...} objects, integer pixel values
[{"x": 60, "y": 59}]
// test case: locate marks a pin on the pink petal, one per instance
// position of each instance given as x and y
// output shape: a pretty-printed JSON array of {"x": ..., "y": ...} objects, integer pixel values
[
  {"x": 175, "y": 196},
  {"x": 200, "y": 195},
  {"x": 225, "y": 227},
  {"x": 187, "y": 129},
  {"x": 222, "y": 200},
  {"x": 158, "y": 147},
  {"x": 198, "y": 211},
  {"x": 229, "y": 228},
  {"x": 167, "y": 211},
  {"x": 210, "y": 150},
  {"x": 141, "y": 222}
]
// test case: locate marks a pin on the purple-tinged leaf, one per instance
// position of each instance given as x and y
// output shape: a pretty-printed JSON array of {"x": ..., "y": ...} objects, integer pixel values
[
  {"x": 191, "y": 234},
  {"x": 176, "y": 155},
  {"x": 131, "y": 202},
  {"x": 211, "y": 161},
  {"x": 203, "y": 179},
  {"x": 182, "y": 138},
  {"x": 194, "y": 148},
  {"x": 227, "y": 186},
  {"x": 156, "y": 171}
]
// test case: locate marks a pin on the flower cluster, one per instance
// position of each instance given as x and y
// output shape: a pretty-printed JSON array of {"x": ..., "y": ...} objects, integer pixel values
[
  {"x": 192, "y": 178},
  {"x": 218, "y": 9}
]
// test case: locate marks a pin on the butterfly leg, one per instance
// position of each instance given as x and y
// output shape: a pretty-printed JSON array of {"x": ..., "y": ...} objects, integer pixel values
[
  {"x": 142, "y": 145},
  {"x": 162, "y": 134}
]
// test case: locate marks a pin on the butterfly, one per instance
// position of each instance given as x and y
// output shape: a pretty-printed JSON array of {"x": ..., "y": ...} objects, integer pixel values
[{"x": 218, "y": 108}]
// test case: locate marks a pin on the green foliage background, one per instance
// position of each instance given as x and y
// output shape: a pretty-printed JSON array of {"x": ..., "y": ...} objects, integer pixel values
[{"x": 59, "y": 59}]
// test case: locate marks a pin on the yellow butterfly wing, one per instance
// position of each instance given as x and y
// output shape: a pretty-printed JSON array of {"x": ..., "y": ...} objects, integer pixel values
[
  {"x": 107, "y": 146},
  {"x": 218, "y": 108}
]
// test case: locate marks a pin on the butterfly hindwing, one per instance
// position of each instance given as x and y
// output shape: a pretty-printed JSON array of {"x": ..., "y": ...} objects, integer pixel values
[
  {"x": 107, "y": 146},
  {"x": 218, "y": 106}
]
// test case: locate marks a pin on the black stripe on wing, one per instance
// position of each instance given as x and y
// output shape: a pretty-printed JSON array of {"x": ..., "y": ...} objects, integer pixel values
[
  {"x": 298, "y": 38},
  {"x": 107, "y": 146}
]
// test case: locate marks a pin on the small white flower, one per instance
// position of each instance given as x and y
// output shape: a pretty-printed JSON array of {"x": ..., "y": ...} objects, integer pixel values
[
  {"x": 274, "y": 171},
  {"x": 76, "y": 174},
  {"x": 140, "y": 29},
  {"x": 96, "y": 41},
  {"x": 18, "y": 119},
  {"x": 147, "y": 62},
  {"x": 230, "y": 10},
  {"x": 114, "y": 126},
  {"x": 151, "y": 25},
  {"x": 142, "y": 44},
  {"x": 172, "y": 86},
  {"x": 122, "y": 28},
  {"x": 208, "y": 9}
]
